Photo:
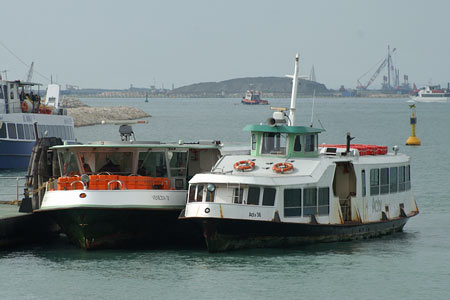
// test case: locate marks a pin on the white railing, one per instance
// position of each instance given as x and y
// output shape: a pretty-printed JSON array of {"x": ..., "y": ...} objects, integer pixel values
[{"x": 11, "y": 188}]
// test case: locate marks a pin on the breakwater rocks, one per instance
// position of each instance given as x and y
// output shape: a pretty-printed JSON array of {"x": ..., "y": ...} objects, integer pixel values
[{"x": 84, "y": 115}]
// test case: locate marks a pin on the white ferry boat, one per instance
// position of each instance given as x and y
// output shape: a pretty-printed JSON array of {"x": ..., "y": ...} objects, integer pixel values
[
  {"x": 20, "y": 110},
  {"x": 432, "y": 94},
  {"x": 291, "y": 191},
  {"x": 127, "y": 193}
]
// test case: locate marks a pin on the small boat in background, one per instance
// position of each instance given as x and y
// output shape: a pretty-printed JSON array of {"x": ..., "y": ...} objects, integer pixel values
[
  {"x": 24, "y": 117},
  {"x": 432, "y": 94},
  {"x": 253, "y": 97}
]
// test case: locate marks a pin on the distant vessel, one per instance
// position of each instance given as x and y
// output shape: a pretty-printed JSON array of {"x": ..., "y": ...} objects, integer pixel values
[
  {"x": 291, "y": 190},
  {"x": 253, "y": 97},
  {"x": 117, "y": 194},
  {"x": 432, "y": 94},
  {"x": 20, "y": 110}
]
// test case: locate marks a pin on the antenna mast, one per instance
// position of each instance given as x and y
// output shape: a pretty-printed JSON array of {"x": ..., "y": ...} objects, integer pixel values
[{"x": 294, "y": 92}]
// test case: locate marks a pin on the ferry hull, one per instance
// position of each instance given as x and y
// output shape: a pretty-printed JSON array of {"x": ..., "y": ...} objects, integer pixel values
[
  {"x": 100, "y": 228},
  {"x": 15, "y": 154},
  {"x": 255, "y": 102},
  {"x": 231, "y": 234}
]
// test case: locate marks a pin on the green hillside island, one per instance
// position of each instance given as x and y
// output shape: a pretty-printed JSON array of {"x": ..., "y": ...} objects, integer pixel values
[{"x": 269, "y": 86}]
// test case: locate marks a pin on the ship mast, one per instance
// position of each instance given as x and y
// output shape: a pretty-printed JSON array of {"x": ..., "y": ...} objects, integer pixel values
[{"x": 294, "y": 92}]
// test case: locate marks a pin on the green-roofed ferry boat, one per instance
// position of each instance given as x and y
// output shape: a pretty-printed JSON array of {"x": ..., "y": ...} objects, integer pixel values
[
  {"x": 125, "y": 193},
  {"x": 290, "y": 190}
]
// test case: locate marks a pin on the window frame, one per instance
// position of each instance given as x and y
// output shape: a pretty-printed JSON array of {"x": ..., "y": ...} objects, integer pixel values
[{"x": 292, "y": 208}]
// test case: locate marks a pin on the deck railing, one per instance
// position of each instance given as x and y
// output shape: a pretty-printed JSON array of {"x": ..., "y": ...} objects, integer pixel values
[{"x": 11, "y": 189}]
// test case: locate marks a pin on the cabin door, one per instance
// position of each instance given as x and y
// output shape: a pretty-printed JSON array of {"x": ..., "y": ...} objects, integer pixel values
[{"x": 344, "y": 187}]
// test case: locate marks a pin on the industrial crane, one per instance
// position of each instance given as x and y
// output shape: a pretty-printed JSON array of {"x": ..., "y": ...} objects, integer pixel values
[{"x": 386, "y": 61}]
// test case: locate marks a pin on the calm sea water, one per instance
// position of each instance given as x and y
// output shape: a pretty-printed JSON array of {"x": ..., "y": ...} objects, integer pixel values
[{"x": 414, "y": 264}]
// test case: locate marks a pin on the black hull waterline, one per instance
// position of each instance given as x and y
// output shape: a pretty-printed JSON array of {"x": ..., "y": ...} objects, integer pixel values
[
  {"x": 231, "y": 234},
  {"x": 98, "y": 228}
]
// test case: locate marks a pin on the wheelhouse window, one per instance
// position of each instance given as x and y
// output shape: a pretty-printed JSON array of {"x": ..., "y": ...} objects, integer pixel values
[
  {"x": 309, "y": 201},
  {"x": 200, "y": 193},
  {"x": 292, "y": 202},
  {"x": 274, "y": 143},
  {"x": 12, "y": 133},
  {"x": 253, "y": 141},
  {"x": 298, "y": 143},
  {"x": 269, "y": 197},
  {"x": 192, "y": 189},
  {"x": 324, "y": 201},
  {"x": 393, "y": 180},
  {"x": 384, "y": 181},
  {"x": 374, "y": 182},
  {"x": 253, "y": 195},
  {"x": 209, "y": 196},
  {"x": 238, "y": 195},
  {"x": 363, "y": 182},
  {"x": 310, "y": 142}
]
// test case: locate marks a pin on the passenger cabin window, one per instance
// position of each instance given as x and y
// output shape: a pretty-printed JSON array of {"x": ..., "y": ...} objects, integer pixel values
[
  {"x": 324, "y": 201},
  {"x": 292, "y": 202},
  {"x": 3, "y": 130},
  {"x": 393, "y": 180},
  {"x": 253, "y": 196},
  {"x": 401, "y": 179},
  {"x": 12, "y": 133},
  {"x": 408, "y": 177},
  {"x": 238, "y": 195},
  {"x": 309, "y": 201},
  {"x": 384, "y": 181},
  {"x": 404, "y": 178},
  {"x": 298, "y": 143},
  {"x": 253, "y": 141},
  {"x": 20, "y": 133},
  {"x": 274, "y": 143},
  {"x": 26, "y": 131},
  {"x": 374, "y": 182},
  {"x": 310, "y": 142},
  {"x": 363, "y": 182},
  {"x": 269, "y": 197}
]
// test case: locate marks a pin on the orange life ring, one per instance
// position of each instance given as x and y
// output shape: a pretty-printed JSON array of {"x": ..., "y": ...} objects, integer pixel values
[
  {"x": 282, "y": 167},
  {"x": 244, "y": 165},
  {"x": 24, "y": 106}
]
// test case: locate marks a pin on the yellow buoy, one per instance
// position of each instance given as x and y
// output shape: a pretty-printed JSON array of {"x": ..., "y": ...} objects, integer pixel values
[{"x": 413, "y": 140}]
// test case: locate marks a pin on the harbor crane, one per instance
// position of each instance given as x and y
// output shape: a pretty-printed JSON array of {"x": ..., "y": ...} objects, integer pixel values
[
  {"x": 386, "y": 61},
  {"x": 30, "y": 72}
]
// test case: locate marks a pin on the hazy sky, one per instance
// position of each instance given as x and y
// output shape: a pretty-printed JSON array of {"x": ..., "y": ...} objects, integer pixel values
[{"x": 112, "y": 44}]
